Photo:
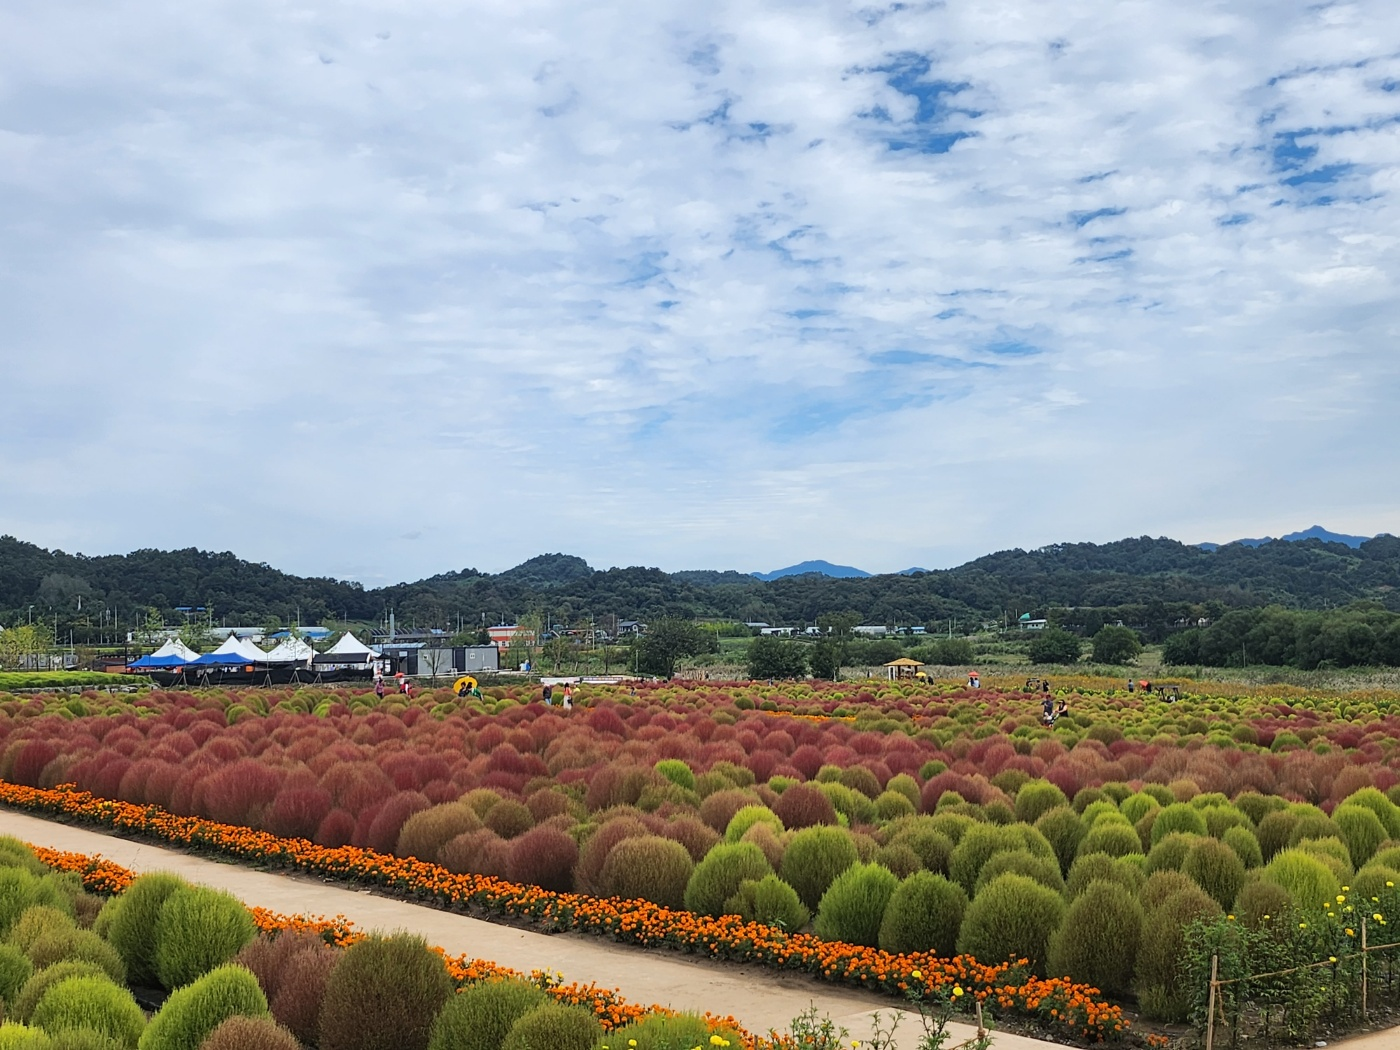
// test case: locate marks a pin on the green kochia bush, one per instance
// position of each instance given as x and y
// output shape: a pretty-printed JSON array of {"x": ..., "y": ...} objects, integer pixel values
[
  {"x": 554, "y": 1027},
  {"x": 853, "y": 907},
  {"x": 924, "y": 914},
  {"x": 65, "y": 944},
  {"x": 1117, "y": 840},
  {"x": 1362, "y": 831},
  {"x": 192, "y": 1012},
  {"x": 747, "y": 818},
  {"x": 770, "y": 901},
  {"x": 814, "y": 857},
  {"x": 677, "y": 772},
  {"x": 1098, "y": 942},
  {"x": 94, "y": 1003},
  {"x": 1045, "y": 870},
  {"x": 659, "y": 1032},
  {"x": 1013, "y": 917},
  {"x": 481, "y": 1015},
  {"x": 1309, "y": 882},
  {"x": 1179, "y": 816},
  {"x": 1216, "y": 868},
  {"x": 1245, "y": 845},
  {"x": 15, "y": 969},
  {"x": 647, "y": 867},
  {"x": 1064, "y": 830},
  {"x": 383, "y": 995},
  {"x": 1162, "y": 988},
  {"x": 198, "y": 929},
  {"x": 717, "y": 877},
  {"x": 37, "y": 986},
  {"x": 1095, "y": 866},
  {"x": 1037, "y": 798},
  {"x": 22, "y": 1037},
  {"x": 129, "y": 923}
]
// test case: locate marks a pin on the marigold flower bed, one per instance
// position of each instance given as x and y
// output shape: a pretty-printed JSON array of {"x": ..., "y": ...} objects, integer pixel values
[{"x": 1057, "y": 1003}]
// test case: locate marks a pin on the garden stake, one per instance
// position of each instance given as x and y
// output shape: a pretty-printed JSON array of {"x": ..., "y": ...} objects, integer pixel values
[
  {"x": 1363, "y": 967},
  {"x": 1210, "y": 1006}
]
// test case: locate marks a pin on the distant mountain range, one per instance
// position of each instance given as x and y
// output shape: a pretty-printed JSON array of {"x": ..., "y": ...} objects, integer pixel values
[
  {"x": 1317, "y": 532},
  {"x": 825, "y": 568}
]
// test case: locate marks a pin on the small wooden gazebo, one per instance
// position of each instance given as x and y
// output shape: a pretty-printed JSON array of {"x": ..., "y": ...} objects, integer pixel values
[{"x": 903, "y": 668}]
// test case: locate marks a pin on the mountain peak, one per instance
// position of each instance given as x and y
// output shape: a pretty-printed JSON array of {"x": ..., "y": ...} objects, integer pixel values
[{"x": 818, "y": 568}]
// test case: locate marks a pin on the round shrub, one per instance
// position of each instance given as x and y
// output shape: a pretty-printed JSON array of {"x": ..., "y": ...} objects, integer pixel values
[
  {"x": 647, "y": 868},
  {"x": 746, "y": 818},
  {"x": 1216, "y": 868},
  {"x": 1245, "y": 845},
  {"x": 1160, "y": 885},
  {"x": 195, "y": 1010},
  {"x": 37, "y": 986},
  {"x": 933, "y": 848},
  {"x": 250, "y": 1033},
  {"x": 1023, "y": 862},
  {"x": 1063, "y": 829},
  {"x": 1378, "y": 804},
  {"x": 717, "y": 877},
  {"x": 1308, "y": 881},
  {"x": 554, "y": 1027},
  {"x": 198, "y": 929},
  {"x": 718, "y": 809},
  {"x": 94, "y": 1003},
  {"x": 1162, "y": 989},
  {"x": 85, "y": 1039},
  {"x": 677, "y": 772},
  {"x": 383, "y": 994},
  {"x": 1098, "y": 942},
  {"x": 300, "y": 990},
  {"x": 1361, "y": 830},
  {"x": 427, "y": 831},
  {"x": 1094, "y": 867},
  {"x": 1332, "y": 852},
  {"x": 1115, "y": 839},
  {"x": 1036, "y": 798},
  {"x": 594, "y": 851},
  {"x": 770, "y": 901},
  {"x": 976, "y": 847},
  {"x": 15, "y": 969},
  {"x": 1169, "y": 852},
  {"x": 923, "y": 915},
  {"x": 481, "y": 1015},
  {"x": 1220, "y": 819},
  {"x": 1274, "y": 831},
  {"x": 891, "y": 805},
  {"x": 508, "y": 818},
  {"x": 1138, "y": 805},
  {"x": 544, "y": 856},
  {"x": 1371, "y": 881},
  {"x": 804, "y": 806},
  {"x": 73, "y": 944},
  {"x": 1178, "y": 817},
  {"x": 660, "y": 1032},
  {"x": 1013, "y": 917},
  {"x": 1261, "y": 903},
  {"x": 22, "y": 1037},
  {"x": 813, "y": 859},
  {"x": 899, "y": 858},
  {"x": 131, "y": 929},
  {"x": 1313, "y": 826},
  {"x": 853, "y": 906},
  {"x": 35, "y": 922},
  {"x": 19, "y": 890}
]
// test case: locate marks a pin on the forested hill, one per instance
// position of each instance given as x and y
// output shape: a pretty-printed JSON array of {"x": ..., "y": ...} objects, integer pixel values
[{"x": 1151, "y": 580}]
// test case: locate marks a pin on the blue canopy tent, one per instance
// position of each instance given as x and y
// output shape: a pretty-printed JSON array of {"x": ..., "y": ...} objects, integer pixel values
[{"x": 158, "y": 663}]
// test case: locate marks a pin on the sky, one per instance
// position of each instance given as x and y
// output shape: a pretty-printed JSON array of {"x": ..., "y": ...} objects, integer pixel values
[{"x": 380, "y": 290}]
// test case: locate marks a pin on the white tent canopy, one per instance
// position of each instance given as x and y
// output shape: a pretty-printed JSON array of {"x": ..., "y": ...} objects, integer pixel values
[
  {"x": 175, "y": 647},
  {"x": 290, "y": 651},
  {"x": 348, "y": 645},
  {"x": 242, "y": 648}
]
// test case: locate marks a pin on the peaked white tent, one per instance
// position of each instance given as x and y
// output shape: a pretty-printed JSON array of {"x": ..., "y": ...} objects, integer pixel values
[
  {"x": 175, "y": 647},
  {"x": 290, "y": 651},
  {"x": 241, "y": 648},
  {"x": 348, "y": 645}
]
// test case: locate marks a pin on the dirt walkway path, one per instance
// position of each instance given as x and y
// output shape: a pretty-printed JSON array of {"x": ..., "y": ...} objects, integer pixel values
[{"x": 760, "y": 999}]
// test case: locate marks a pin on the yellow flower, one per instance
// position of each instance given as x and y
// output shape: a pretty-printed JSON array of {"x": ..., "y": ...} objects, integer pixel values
[
  {"x": 718, "y": 1040},
  {"x": 1302, "y": 926},
  {"x": 916, "y": 975},
  {"x": 1341, "y": 899},
  {"x": 631, "y": 1042},
  {"x": 1351, "y": 932},
  {"x": 1389, "y": 883},
  {"x": 1266, "y": 916},
  {"x": 957, "y": 990},
  {"x": 1377, "y": 917},
  {"x": 1331, "y": 958}
]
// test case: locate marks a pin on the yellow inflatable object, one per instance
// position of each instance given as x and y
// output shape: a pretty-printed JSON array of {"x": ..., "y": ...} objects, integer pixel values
[{"x": 464, "y": 685}]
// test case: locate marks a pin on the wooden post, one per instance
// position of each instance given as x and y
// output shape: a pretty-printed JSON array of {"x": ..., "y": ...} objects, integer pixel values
[
  {"x": 1364, "y": 968},
  {"x": 1210, "y": 1008}
]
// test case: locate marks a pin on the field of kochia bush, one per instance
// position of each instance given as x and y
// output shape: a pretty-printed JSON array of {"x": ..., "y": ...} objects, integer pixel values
[
  {"x": 216, "y": 976},
  {"x": 905, "y": 816}
]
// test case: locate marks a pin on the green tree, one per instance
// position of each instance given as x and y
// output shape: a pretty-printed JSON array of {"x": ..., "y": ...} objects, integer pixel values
[
  {"x": 1116, "y": 645},
  {"x": 1054, "y": 646},
  {"x": 668, "y": 641},
  {"x": 771, "y": 657},
  {"x": 832, "y": 652}
]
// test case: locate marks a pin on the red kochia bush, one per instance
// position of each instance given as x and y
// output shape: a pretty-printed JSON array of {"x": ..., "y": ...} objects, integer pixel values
[
  {"x": 543, "y": 856},
  {"x": 297, "y": 812},
  {"x": 232, "y": 794},
  {"x": 31, "y": 760},
  {"x": 803, "y": 805},
  {"x": 383, "y": 833},
  {"x": 336, "y": 829}
]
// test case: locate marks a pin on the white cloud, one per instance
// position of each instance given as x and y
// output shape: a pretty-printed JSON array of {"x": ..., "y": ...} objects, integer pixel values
[{"x": 882, "y": 285}]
